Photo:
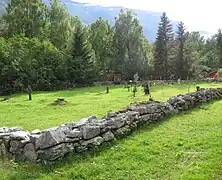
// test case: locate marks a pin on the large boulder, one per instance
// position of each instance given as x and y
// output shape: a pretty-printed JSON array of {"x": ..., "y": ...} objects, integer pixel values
[
  {"x": 75, "y": 133},
  {"x": 90, "y": 132},
  {"x": 15, "y": 146},
  {"x": 117, "y": 122},
  {"x": 49, "y": 138},
  {"x": 29, "y": 152},
  {"x": 20, "y": 135},
  {"x": 55, "y": 152},
  {"x": 97, "y": 141},
  {"x": 108, "y": 136},
  {"x": 3, "y": 150}
]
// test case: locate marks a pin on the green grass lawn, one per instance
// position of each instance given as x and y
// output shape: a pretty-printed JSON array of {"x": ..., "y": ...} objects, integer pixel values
[
  {"x": 82, "y": 102},
  {"x": 186, "y": 146}
]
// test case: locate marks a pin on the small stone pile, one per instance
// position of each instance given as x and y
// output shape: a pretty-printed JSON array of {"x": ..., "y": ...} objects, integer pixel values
[{"x": 53, "y": 144}]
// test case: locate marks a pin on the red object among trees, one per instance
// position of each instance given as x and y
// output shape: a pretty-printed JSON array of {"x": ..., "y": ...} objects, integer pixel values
[{"x": 213, "y": 75}]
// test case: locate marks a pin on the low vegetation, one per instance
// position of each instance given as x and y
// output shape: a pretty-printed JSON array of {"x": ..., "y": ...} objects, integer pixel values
[
  {"x": 186, "y": 146},
  {"x": 41, "y": 112}
]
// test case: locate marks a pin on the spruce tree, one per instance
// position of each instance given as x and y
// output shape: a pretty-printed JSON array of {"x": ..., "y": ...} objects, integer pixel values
[
  {"x": 80, "y": 65},
  {"x": 181, "y": 65},
  {"x": 162, "y": 47},
  {"x": 219, "y": 46}
]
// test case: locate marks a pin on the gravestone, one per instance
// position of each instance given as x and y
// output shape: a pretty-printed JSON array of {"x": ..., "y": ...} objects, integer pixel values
[
  {"x": 134, "y": 91},
  {"x": 29, "y": 92},
  {"x": 146, "y": 89},
  {"x": 107, "y": 90}
]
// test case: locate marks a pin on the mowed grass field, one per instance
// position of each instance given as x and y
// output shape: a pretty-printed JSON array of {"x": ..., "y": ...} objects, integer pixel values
[
  {"x": 185, "y": 146},
  {"x": 82, "y": 102}
]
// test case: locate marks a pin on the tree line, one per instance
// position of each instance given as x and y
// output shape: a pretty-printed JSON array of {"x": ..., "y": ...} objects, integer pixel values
[{"x": 42, "y": 45}]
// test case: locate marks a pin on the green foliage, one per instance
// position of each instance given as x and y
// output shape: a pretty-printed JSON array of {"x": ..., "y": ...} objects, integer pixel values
[
  {"x": 26, "y": 61},
  {"x": 130, "y": 51},
  {"x": 101, "y": 36},
  {"x": 181, "y": 61},
  {"x": 163, "y": 47},
  {"x": 25, "y": 17},
  {"x": 219, "y": 46},
  {"x": 81, "y": 62},
  {"x": 60, "y": 24},
  {"x": 43, "y": 45},
  {"x": 219, "y": 73}
]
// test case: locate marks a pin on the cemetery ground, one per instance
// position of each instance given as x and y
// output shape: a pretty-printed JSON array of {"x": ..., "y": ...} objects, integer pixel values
[{"x": 185, "y": 146}]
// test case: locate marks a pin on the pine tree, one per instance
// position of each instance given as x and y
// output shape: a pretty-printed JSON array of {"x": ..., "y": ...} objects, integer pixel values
[
  {"x": 162, "y": 46},
  {"x": 80, "y": 65},
  {"x": 219, "y": 46},
  {"x": 181, "y": 65}
]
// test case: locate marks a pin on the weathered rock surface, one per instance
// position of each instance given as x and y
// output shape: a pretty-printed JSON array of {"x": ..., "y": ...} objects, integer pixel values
[
  {"x": 90, "y": 132},
  {"x": 49, "y": 138},
  {"x": 30, "y": 153}
]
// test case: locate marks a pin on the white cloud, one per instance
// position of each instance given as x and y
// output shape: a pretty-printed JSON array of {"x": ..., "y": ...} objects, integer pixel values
[{"x": 203, "y": 15}]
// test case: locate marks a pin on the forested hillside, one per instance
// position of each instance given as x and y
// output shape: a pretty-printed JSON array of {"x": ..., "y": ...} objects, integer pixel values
[{"x": 45, "y": 46}]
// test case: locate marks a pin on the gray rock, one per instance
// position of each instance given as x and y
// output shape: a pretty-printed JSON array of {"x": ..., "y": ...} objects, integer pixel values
[
  {"x": 4, "y": 130},
  {"x": 71, "y": 140},
  {"x": 20, "y": 135},
  {"x": 142, "y": 110},
  {"x": 117, "y": 122},
  {"x": 34, "y": 137},
  {"x": 146, "y": 117},
  {"x": 75, "y": 133},
  {"x": 14, "y": 129},
  {"x": 36, "y": 131},
  {"x": 111, "y": 114},
  {"x": 167, "y": 108},
  {"x": 82, "y": 122},
  {"x": 63, "y": 128},
  {"x": 30, "y": 153},
  {"x": 121, "y": 132},
  {"x": 2, "y": 135},
  {"x": 49, "y": 138},
  {"x": 97, "y": 141},
  {"x": 90, "y": 132},
  {"x": 91, "y": 119},
  {"x": 108, "y": 136},
  {"x": 55, "y": 152},
  {"x": 81, "y": 149},
  {"x": 15, "y": 145},
  {"x": 3, "y": 151}
]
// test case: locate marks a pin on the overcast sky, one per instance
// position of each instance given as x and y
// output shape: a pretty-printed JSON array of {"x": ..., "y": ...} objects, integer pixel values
[{"x": 203, "y": 15}]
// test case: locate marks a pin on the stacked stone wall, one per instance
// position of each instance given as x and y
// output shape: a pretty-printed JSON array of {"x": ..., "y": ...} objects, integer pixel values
[{"x": 53, "y": 144}]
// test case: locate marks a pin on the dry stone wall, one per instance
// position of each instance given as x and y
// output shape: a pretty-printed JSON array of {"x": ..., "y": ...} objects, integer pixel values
[{"x": 53, "y": 144}]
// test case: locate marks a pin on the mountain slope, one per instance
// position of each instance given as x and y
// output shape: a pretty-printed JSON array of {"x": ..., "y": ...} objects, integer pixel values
[{"x": 89, "y": 13}]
